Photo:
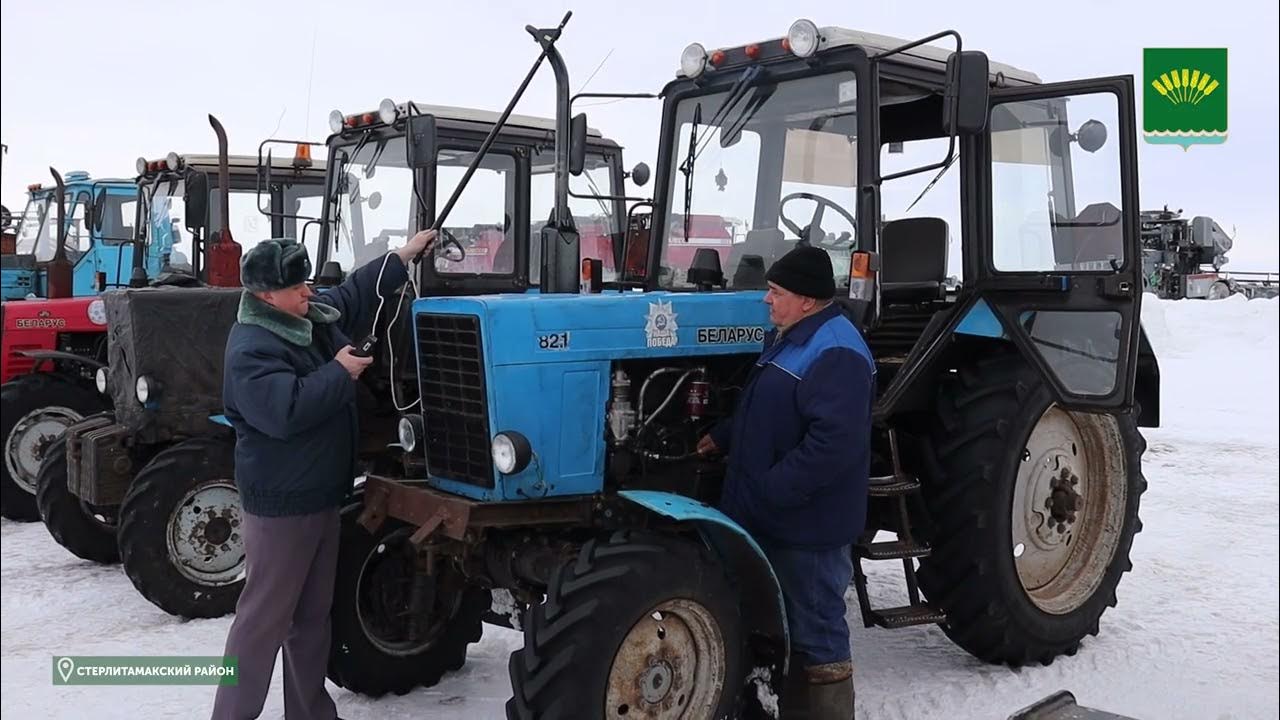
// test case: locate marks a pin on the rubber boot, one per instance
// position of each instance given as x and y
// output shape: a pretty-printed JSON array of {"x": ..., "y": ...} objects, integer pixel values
[
  {"x": 831, "y": 701},
  {"x": 793, "y": 704}
]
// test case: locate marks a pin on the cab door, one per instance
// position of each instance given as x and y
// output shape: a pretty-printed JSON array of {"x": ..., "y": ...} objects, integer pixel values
[{"x": 1059, "y": 259}]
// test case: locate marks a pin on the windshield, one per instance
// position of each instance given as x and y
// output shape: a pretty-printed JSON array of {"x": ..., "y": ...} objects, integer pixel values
[
  {"x": 37, "y": 235},
  {"x": 758, "y": 169},
  {"x": 481, "y": 218},
  {"x": 166, "y": 229},
  {"x": 370, "y": 201},
  {"x": 595, "y": 218}
]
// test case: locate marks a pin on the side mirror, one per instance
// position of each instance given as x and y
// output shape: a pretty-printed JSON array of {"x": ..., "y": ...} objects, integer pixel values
[
  {"x": 195, "y": 202},
  {"x": 99, "y": 210},
  {"x": 1092, "y": 136},
  {"x": 375, "y": 200},
  {"x": 577, "y": 144},
  {"x": 640, "y": 174},
  {"x": 420, "y": 133},
  {"x": 965, "y": 103}
]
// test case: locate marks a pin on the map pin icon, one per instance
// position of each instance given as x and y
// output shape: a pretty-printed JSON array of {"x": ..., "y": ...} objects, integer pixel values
[{"x": 65, "y": 666}]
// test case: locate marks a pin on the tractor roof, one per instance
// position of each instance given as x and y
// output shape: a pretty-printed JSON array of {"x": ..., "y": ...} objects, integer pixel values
[
  {"x": 485, "y": 117},
  {"x": 248, "y": 163},
  {"x": 924, "y": 55}
]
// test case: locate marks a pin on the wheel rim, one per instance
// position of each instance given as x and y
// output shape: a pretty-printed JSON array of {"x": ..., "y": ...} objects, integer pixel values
[
  {"x": 1218, "y": 291},
  {"x": 30, "y": 439},
  {"x": 671, "y": 664},
  {"x": 204, "y": 535},
  {"x": 1068, "y": 507},
  {"x": 384, "y": 600}
]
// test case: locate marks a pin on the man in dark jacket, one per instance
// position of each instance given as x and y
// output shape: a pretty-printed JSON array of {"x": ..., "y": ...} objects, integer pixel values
[
  {"x": 798, "y": 448},
  {"x": 289, "y": 388}
]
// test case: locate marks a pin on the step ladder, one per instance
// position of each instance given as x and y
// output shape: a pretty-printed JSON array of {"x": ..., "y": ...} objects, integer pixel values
[{"x": 898, "y": 488}]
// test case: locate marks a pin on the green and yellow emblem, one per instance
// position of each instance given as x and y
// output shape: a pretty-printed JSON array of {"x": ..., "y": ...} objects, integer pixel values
[{"x": 1184, "y": 100}]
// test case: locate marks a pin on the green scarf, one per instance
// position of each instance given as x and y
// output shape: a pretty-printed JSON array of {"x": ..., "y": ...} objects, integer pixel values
[{"x": 291, "y": 328}]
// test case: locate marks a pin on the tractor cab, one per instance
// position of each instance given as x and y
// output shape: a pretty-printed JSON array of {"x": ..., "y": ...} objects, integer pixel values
[
  {"x": 179, "y": 207},
  {"x": 90, "y": 252},
  {"x": 397, "y": 169},
  {"x": 804, "y": 136}
]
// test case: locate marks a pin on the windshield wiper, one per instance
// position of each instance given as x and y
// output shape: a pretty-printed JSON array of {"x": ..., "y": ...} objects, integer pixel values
[
  {"x": 373, "y": 161},
  {"x": 687, "y": 166},
  {"x": 932, "y": 182}
]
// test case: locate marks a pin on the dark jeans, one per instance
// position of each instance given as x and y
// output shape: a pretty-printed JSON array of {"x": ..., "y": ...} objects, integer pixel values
[
  {"x": 291, "y": 563},
  {"x": 813, "y": 585}
]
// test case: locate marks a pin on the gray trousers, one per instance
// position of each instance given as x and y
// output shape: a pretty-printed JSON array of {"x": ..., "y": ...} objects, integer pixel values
[{"x": 290, "y": 567}]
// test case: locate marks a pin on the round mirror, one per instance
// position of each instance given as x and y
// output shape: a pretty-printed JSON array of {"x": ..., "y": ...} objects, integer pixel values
[
  {"x": 640, "y": 174},
  {"x": 452, "y": 252},
  {"x": 1092, "y": 136},
  {"x": 375, "y": 200}
]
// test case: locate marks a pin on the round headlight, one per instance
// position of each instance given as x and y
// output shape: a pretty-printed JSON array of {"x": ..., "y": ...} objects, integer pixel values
[
  {"x": 144, "y": 389},
  {"x": 140, "y": 165},
  {"x": 803, "y": 38},
  {"x": 693, "y": 60},
  {"x": 174, "y": 160},
  {"x": 97, "y": 312},
  {"x": 407, "y": 433},
  {"x": 335, "y": 121},
  {"x": 100, "y": 379},
  {"x": 511, "y": 452},
  {"x": 387, "y": 111}
]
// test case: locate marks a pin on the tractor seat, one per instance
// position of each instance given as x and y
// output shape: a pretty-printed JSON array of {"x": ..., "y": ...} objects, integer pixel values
[
  {"x": 913, "y": 259},
  {"x": 751, "y": 258}
]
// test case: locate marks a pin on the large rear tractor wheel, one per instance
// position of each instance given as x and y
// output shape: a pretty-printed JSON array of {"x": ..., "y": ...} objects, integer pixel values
[
  {"x": 34, "y": 411},
  {"x": 381, "y": 643},
  {"x": 88, "y": 532},
  {"x": 1036, "y": 508},
  {"x": 179, "y": 534},
  {"x": 638, "y": 626}
]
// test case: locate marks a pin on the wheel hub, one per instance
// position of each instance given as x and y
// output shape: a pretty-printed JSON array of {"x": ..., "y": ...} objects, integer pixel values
[
  {"x": 29, "y": 442},
  {"x": 656, "y": 683},
  {"x": 204, "y": 535},
  {"x": 1069, "y": 493},
  {"x": 385, "y": 602},
  {"x": 671, "y": 664}
]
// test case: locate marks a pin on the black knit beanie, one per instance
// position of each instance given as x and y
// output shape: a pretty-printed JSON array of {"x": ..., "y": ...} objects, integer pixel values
[{"x": 806, "y": 271}]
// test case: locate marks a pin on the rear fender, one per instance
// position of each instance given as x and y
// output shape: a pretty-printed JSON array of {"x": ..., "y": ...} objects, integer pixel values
[{"x": 762, "y": 606}]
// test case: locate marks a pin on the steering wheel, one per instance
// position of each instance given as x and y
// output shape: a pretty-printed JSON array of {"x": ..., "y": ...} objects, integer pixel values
[
  {"x": 447, "y": 239},
  {"x": 815, "y": 223}
]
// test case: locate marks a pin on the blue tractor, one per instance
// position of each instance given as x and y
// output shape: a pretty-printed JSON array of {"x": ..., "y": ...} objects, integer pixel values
[
  {"x": 99, "y": 255},
  {"x": 552, "y": 461}
]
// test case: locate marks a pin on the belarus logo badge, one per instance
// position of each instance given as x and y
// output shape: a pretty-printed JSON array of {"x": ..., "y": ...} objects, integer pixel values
[{"x": 1184, "y": 99}]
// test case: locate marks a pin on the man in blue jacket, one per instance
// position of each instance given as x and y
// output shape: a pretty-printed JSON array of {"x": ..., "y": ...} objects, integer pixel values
[
  {"x": 798, "y": 447},
  {"x": 289, "y": 388}
]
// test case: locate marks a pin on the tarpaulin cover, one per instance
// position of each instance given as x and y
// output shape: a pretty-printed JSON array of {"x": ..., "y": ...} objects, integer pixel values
[{"x": 176, "y": 337}]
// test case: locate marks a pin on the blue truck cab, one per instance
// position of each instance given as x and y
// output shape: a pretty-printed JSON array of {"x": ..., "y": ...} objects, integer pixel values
[{"x": 101, "y": 253}]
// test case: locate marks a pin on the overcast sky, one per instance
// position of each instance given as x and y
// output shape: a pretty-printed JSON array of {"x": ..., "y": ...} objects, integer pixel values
[{"x": 92, "y": 85}]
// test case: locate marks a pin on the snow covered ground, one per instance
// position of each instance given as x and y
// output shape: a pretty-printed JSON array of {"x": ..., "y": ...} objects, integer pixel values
[{"x": 1195, "y": 634}]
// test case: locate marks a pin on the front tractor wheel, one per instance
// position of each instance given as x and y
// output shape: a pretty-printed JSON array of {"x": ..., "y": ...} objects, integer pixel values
[
  {"x": 180, "y": 536},
  {"x": 1036, "y": 508},
  {"x": 384, "y": 638},
  {"x": 88, "y": 532},
  {"x": 637, "y": 626},
  {"x": 36, "y": 410}
]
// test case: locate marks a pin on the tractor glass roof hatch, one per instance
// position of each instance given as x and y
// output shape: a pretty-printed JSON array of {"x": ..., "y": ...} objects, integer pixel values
[
  {"x": 758, "y": 168},
  {"x": 370, "y": 200}
]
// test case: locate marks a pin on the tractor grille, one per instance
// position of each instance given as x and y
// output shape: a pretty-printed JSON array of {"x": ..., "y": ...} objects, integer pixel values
[{"x": 455, "y": 407}]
